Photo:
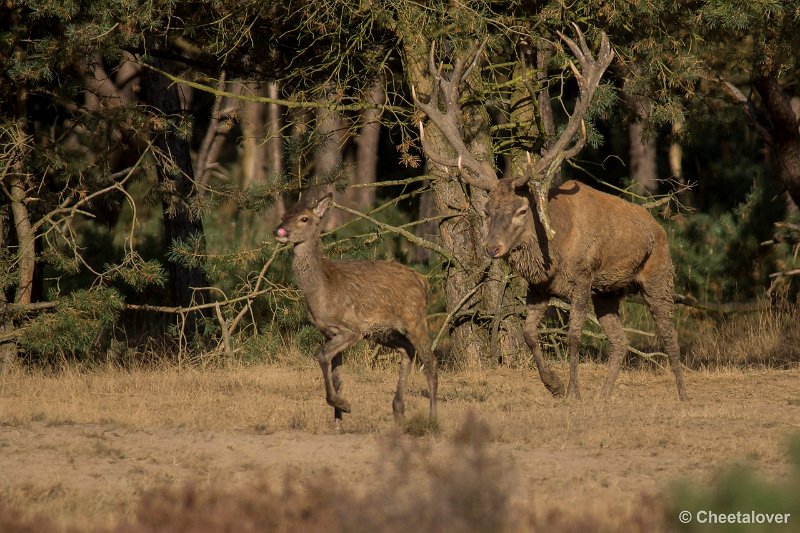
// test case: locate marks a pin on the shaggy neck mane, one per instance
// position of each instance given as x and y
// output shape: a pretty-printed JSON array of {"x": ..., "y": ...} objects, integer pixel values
[{"x": 527, "y": 259}]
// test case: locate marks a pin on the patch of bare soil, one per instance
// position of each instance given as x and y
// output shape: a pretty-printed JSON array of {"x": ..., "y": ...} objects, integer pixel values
[{"x": 563, "y": 455}]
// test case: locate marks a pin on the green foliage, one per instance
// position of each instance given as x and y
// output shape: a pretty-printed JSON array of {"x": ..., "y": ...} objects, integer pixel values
[
  {"x": 719, "y": 256},
  {"x": 308, "y": 339},
  {"x": 138, "y": 273},
  {"x": 266, "y": 347},
  {"x": 8, "y": 276},
  {"x": 739, "y": 489},
  {"x": 73, "y": 328}
]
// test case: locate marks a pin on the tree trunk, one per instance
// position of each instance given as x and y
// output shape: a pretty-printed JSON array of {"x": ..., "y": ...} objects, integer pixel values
[
  {"x": 642, "y": 148},
  {"x": 275, "y": 148},
  {"x": 367, "y": 151},
  {"x": 785, "y": 132},
  {"x": 8, "y": 349},
  {"x": 328, "y": 158},
  {"x": 427, "y": 230},
  {"x": 676, "y": 151},
  {"x": 252, "y": 121},
  {"x": 188, "y": 284},
  {"x": 26, "y": 241},
  {"x": 462, "y": 231}
]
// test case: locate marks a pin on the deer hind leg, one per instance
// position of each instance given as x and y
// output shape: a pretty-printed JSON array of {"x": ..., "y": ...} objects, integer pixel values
[
  {"x": 398, "y": 404},
  {"x": 536, "y": 308},
  {"x": 336, "y": 363},
  {"x": 661, "y": 307},
  {"x": 607, "y": 310},
  {"x": 420, "y": 339},
  {"x": 342, "y": 340}
]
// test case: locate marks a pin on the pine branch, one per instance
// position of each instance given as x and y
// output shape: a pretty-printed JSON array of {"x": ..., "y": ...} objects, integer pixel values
[
  {"x": 407, "y": 234},
  {"x": 289, "y": 104}
]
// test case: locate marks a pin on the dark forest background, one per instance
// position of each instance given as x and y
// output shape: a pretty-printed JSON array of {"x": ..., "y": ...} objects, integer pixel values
[{"x": 147, "y": 149}]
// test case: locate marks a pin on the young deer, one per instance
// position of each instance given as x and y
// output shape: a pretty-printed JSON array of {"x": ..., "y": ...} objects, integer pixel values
[{"x": 351, "y": 300}]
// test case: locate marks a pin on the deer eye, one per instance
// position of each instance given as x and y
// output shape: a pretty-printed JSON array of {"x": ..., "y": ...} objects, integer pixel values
[
  {"x": 304, "y": 219},
  {"x": 522, "y": 211}
]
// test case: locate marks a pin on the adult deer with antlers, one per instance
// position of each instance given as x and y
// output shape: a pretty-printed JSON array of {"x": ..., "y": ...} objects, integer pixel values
[{"x": 579, "y": 244}]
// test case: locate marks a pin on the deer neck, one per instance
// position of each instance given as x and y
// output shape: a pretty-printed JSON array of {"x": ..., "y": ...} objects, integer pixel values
[
  {"x": 308, "y": 267},
  {"x": 530, "y": 259}
]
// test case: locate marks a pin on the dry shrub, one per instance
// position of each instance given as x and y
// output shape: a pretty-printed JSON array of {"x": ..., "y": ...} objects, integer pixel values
[
  {"x": 468, "y": 488},
  {"x": 768, "y": 337},
  {"x": 12, "y": 520}
]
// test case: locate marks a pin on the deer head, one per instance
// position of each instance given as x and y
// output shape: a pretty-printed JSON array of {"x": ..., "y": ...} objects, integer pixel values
[
  {"x": 444, "y": 111},
  {"x": 302, "y": 222},
  {"x": 509, "y": 216}
]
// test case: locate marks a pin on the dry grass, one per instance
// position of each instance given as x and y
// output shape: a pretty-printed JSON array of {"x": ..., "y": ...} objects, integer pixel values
[
  {"x": 81, "y": 448},
  {"x": 768, "y": 337}
]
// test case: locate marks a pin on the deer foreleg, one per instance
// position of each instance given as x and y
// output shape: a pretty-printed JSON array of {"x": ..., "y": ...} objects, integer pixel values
[
  {"x": 536, "y": 308},
  {"x": 333, "y": 347}
]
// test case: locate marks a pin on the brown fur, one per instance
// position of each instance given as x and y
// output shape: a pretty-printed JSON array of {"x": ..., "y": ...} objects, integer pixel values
[
  {"x": 351, "y": 300},
  {"x": 604, "y": 248}
]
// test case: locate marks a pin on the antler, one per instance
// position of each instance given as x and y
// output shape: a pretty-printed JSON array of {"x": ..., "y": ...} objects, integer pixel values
[
  {"x": 588, "y": 78},
  {"x": 445, "y": 95}
]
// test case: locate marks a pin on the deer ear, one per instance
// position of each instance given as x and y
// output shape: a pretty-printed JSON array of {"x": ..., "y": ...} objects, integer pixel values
[{"x": 322, "y": 205}]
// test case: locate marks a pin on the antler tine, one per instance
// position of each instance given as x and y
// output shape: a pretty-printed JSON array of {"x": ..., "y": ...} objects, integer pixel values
[
  {"x": 474, "y": 53},
  {"x": 479, "y": 174},
  {"x": 588, "y": 81},
  {"x": 566, "y": 145},
  {"x": 577, "y": 51},
  {"x": 432, "y": 59}
]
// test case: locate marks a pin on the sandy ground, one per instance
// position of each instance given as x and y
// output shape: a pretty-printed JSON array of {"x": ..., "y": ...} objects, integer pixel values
[{"x": 89, "y": 466}]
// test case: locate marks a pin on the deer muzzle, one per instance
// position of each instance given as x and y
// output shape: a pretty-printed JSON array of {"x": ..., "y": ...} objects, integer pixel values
[
  {"x": 494, "y": 250},
  {"x": 281, "y": 235}
]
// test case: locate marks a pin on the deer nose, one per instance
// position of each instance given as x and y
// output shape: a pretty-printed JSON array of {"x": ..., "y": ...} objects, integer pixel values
[
  {"x": 279, "y": 232},
  {"x": 494, "y": 250}
]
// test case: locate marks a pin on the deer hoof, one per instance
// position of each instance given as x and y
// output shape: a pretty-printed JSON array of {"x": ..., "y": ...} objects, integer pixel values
[
  {"x": 398, "y": 407},
  {"x": 340, "y": 403},
  {"x": 574, "y": 393},
  {"x": 556, "y": 390},
  {"x": 554, "y": 385}
]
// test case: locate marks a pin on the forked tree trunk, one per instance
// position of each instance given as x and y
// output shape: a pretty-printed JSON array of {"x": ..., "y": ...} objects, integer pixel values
[{"x": 462, "y": 231}]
